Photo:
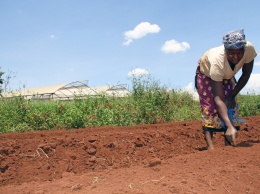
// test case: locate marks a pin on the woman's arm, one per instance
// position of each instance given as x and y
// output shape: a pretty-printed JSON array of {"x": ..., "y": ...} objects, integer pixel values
[{"x": 246, "y": 73}]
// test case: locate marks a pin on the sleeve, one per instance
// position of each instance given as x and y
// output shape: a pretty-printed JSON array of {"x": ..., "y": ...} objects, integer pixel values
[{"x": 250, "y": 52}]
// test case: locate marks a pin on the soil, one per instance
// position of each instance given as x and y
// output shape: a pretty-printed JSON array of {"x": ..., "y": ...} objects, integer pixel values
[{"x": 160, "y": 158}]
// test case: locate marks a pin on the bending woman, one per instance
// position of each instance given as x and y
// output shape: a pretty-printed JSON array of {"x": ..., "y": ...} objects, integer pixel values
[{"x": 217, "y": 87}]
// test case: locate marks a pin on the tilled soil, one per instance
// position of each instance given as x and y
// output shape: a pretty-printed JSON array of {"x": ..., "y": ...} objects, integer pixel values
[{"x": 160, "y": 158}]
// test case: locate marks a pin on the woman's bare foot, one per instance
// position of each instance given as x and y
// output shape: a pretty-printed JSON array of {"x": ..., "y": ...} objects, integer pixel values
[
  {"x": 208, "y": 138},
  {"x": 210, "y": 148}
]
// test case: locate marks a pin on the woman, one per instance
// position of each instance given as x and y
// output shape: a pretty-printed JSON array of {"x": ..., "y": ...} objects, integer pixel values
[{"x": 217, "y": 87}]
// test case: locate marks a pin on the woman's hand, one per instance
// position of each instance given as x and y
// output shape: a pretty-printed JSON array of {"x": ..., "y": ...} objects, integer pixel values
[
  {"x": 231, "y": 102},
  {"x": 231, "y": 135}
]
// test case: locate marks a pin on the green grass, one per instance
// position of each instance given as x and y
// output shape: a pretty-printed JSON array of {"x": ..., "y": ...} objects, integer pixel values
[
  {"x": 249, "y": 105},
  {"x": 149, "y": 103}
]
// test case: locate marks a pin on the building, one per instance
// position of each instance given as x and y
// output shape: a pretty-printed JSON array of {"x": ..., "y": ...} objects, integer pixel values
[{"x": 69, "y": 91}]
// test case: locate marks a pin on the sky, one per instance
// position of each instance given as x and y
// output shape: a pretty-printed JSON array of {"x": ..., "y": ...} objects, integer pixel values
[{"x": 105, "y": 42}]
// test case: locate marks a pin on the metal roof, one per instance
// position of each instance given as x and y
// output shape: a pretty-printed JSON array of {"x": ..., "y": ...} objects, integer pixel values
[{"x": 68, "y": 91}]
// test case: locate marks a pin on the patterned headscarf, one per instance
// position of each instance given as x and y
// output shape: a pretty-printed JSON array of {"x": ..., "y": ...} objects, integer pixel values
[{"x": 234, "y": 40}]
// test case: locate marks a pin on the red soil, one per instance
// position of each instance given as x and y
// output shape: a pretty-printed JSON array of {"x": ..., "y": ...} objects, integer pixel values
[{"x": 160, "y": 158}]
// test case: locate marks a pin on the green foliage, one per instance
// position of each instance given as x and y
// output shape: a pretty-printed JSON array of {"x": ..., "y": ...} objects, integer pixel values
[
  {"x": 155, "y": 103},
  {"x": 150, "y": 103},
  {"x": 1, "y": 81},
  {"x": 249, "y": 105}
]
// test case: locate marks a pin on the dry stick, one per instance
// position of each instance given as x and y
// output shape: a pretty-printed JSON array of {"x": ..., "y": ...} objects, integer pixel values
[
  {"x": 43, "y": 152},
  {"x": 78, "y": 186},
  {"x": 39, "y": 155},
  {"x": 152, "y": 181},
  {"x": 131, "y": 185},
  {"x": 53, "y": 174},
  {"x": 226, "y": 189},
  {"x": 129, "y": 160},
  {"x": 32, "y": 156},
  {"x": 96, "y": 179}
]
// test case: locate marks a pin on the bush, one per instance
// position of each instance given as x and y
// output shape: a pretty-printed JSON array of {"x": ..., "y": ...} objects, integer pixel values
[{"x": 149, "y": 103}]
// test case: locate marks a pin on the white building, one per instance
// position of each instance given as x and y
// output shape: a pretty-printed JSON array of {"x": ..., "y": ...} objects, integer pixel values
[{"x": 68, "y": 91}]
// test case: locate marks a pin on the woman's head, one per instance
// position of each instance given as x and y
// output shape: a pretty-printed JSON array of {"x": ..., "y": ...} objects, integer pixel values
[
  {"x": 234, "y": 40},
  {"x": 234, "y": 43}
]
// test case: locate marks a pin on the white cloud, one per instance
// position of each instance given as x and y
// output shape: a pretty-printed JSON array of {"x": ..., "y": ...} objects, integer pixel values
[
  {"x": 257, "y": 63},
  {"x": 189, "y": 87},
  {"x": 140, "y": 31},
  {"x": 173, "y": 46},
  {"x": 191, "y": 90},
  {"x": 137, "y": 72},
  {"x": 253, "y": 85},
  {"x": 52, "y": 36}
]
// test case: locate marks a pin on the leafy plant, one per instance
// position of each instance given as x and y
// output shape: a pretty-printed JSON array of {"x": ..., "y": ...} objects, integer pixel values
[{"x": 149, "y": 103}]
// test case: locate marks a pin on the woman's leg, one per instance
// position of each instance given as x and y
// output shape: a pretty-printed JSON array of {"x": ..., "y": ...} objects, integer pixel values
[
  {"x": 209, "y": 139},
  {"x": 210, "y": 120}
]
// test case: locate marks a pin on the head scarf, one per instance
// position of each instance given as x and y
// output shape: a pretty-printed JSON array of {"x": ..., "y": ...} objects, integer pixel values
[{"x": 234, "y": 40}]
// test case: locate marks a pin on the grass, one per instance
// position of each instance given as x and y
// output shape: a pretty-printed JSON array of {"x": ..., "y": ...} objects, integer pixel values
[{"x": 149, "y": 103}]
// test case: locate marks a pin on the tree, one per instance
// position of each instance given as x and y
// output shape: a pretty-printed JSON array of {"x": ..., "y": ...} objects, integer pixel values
[{"x": 1, "y": 81}]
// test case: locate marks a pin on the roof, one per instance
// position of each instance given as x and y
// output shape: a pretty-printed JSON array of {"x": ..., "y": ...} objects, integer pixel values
[{"x": 69, "y": 91}]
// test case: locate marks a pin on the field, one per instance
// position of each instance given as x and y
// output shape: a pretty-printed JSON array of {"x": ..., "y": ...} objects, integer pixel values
[{"x": 157, "y": 158}]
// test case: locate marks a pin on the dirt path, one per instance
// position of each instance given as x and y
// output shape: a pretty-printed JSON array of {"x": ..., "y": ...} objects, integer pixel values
[{"x": 163, "y": 158}]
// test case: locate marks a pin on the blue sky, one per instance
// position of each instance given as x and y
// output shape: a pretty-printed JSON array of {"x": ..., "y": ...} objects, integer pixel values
[{"x": 48, "y": 42}]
